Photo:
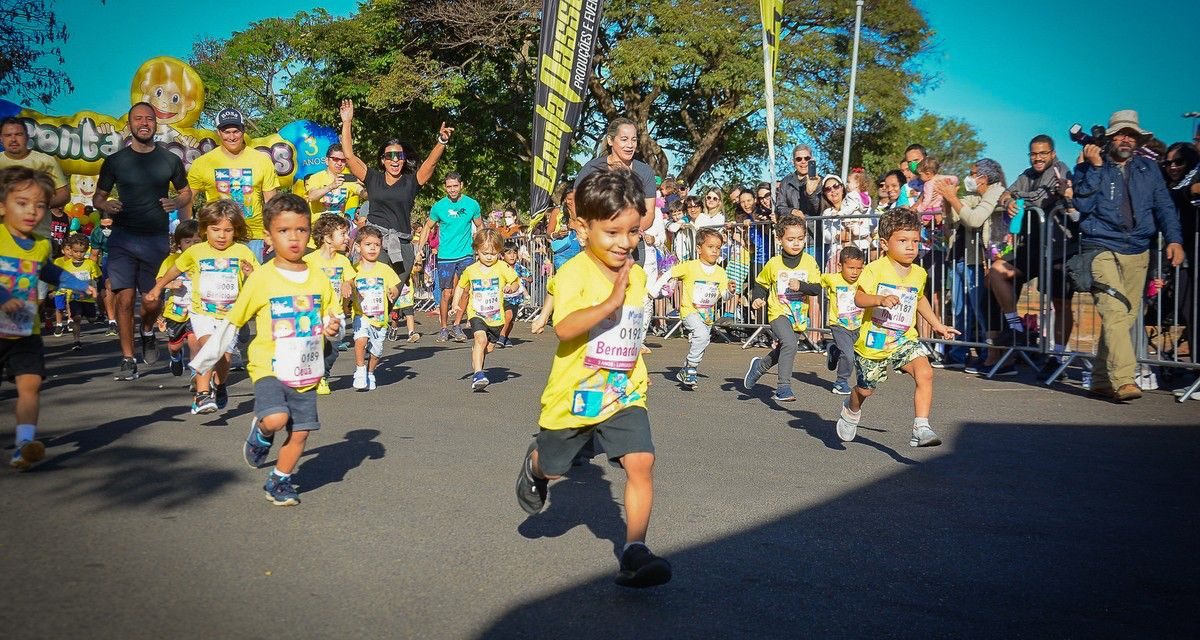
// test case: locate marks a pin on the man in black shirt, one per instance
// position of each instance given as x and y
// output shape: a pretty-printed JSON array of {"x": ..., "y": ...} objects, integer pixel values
[{"x": 143, "y": 173}]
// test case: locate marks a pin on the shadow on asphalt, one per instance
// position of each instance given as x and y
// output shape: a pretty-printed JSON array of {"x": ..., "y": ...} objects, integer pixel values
[
  {"x": 1046, "y": 530},
  {"x": 582, "y": 497},
  {"x": 328, "y": 464},
  {"x": 87, "y": 441}
]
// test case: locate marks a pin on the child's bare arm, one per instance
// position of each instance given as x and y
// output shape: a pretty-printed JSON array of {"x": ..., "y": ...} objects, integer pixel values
[{"x": 925, "y": 310}]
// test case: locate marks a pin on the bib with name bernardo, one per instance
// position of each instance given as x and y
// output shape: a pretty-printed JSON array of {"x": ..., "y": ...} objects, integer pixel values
[
  {"x": 884, "y": 329},
  {"x": 782, "y": 283},
  {"x": 216, "y": 276},
  {"x": 297, "y": 329},
  {"x": 599, "y": 372},
  {"x": 289, "y": 321},
  {"x": 700, "y": 288},
  {"x": 842, "y": 309},
  {"x": 19, "y": 272},
  {"x": 485, "y": 286}
]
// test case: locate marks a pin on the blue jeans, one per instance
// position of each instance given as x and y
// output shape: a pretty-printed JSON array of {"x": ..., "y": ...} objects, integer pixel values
[{"x": 965, "y": 290}]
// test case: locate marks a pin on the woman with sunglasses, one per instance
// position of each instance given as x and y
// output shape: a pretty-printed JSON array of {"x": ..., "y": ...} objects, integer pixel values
[
  {"x": 1181, "y": 168},
  {"x": 394, "y": 189},
  {"x": 799, "y": 194},
  {"x": 712, "y": 210}
]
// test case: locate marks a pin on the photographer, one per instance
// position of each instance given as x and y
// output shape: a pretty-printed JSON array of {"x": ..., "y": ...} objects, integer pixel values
[{"x": 1123, "y": 204}]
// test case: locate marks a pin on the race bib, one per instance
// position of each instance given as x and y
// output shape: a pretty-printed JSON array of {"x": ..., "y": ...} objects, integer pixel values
[
  {"x": 406, "y": 297},
  {"x": 179, "y": 303},
  {"x": 297, "y": 330},
  {"x": 616, "y": 342},
  {"x": 900, "y": 317},
  {"x": 485, "y": 299},
  {"x": 371, "y": 296},
  {"x": 20, "y": 322},
  {"x": 705, "y": 294},
  {"x": 218, "y": 285},
  {"x": 848, "y": 312},
  {"x": 237, "y": 185},
  {"x": 787, "y": 289}
]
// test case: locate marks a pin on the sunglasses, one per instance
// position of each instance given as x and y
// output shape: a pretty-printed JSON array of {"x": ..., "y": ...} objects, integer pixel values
[
  {"x": 336, "y": 159},
  {"x": 712, "y": 198},
  {"x": 1175, "y": 163},
  {"x": 394, "y": 155},
  {"x": 832, "y": 187},
  {"x": 802, "y": 158}
]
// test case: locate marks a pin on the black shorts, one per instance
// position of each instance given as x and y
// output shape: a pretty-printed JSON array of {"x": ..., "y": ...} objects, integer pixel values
[
  {"x": 22, "y": 356},
  {"x": 81, "y": 309},
  {"x": 404, "y": 312},
  {"x": 134, "y": 259},
  {"x": 177, "y": 332},
  {"x": 493, "y": 333},
  {"x": 627, "y": 431}
]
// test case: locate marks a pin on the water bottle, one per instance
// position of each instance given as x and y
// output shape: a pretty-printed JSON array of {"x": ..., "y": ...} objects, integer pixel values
[{"x": 1018, "y": 219}]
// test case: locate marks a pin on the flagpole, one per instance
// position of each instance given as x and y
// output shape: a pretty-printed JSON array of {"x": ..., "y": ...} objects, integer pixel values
[
  {"x": 769, "y": 76},
  {"x": 853, "y": 77}
]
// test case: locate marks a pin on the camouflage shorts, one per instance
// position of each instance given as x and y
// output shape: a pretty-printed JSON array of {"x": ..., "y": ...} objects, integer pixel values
[{"x": 871, "y": 372}]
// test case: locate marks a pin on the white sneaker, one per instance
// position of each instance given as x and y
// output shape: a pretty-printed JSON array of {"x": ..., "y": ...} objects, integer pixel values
[
  {"x": 360, "y": 378},
  {"x": 370, "y": 382},
  {"x": 847, "y": 427},
  {"x": 924, "y": 437}
]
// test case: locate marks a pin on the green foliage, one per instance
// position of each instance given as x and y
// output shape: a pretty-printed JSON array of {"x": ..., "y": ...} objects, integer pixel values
[
  {"x": 952, "y": 141},
  {"x": 31, "y": 32}
]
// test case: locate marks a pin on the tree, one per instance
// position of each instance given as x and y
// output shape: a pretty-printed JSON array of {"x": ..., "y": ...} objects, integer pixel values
[
  {"x": 31, "y": 32},
  {"x": 267, "y": 72},
  {"x": 953, "y": 142}
]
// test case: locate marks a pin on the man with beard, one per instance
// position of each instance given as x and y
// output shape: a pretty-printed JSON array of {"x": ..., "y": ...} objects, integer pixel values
[
  {"x": 15, "y": 138},
  {"x": 1123, "y": 205},
  {"x": 143, "y": 174}
]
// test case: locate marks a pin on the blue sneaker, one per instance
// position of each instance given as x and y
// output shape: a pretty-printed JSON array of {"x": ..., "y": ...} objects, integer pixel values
[
  {"x": 753, "y": 373},
  {"x": 784, "y": 394},
  {"x": 841, "y": 388},
  {"x": 280, "y": 491},
  {"x": 687, "y": 377},
  {"x": 221, "y": 396},
  {"x": 480, "y": 381},
  {"x": 254, "y": 450}
]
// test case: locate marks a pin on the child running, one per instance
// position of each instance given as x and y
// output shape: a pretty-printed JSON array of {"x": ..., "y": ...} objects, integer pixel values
[
  {"x": 375, "y": 286},
  {"x": 217, "y": 268},
  {"x": 704, "y": 285},
  {"x": 844, "y": 316},
  {"x": 890, "y": 292},
  {"x": 486, "y": 281},
  {"x": 77, "y": 306},
  {"x": 597, "y": 384},
  {"x": 25, "y": 259},
  {"x": 294, "y": 310},
  {"x": 175, "y": 311},
  {"x": 784, "y": 285},
  {"x": 331, "y": 233},
  {"x": 99, "y": 242},
  {"x": 513, "y": 301}
]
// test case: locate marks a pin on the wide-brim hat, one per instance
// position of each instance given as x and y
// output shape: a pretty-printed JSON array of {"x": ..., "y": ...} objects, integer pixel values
[{"x": 1126, "y": 119}]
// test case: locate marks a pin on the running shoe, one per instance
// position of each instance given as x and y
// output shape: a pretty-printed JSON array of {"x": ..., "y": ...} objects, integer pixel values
[
  {"x": 414, "y": 337},
  {"x": 443, "y": 335},
  {"x": 847, "y": 425},
  {"x": 59, "y": 328},
  {"x": 70, "y": 325},
  {"x": 784, "y": 394},
  {"x": 127, "y": 371},
  {"x": 531, "y": 491},
  {"x": 841, "y": 388},
  {"x": 204, "y": 402},
  {"x": 177, "y": 364},
  {"x": 280, "y": 492},
  {"x": 640, "y": 568},
  {"x": 257, "y": 446},
  {"x": 924, "y": 437},
  {"x": 112, "y": 329},
  {"x": 323, "y": 387},
  {"x": 149, "y": 349},
  {"x": 480, "y": 381},
  {"x": 221, "y": 396},
  {"x": 457, "y": 335},
  {"x": 687, "y": 377},
  {"x": 370, "y": 382},
  {"x": 360, "y": 378},
  {"x": 27, "y": 454},
  {"x": 832, "y": 353},
  {"x": 753, "y": 373},
  {"x": 78, "y": 346}
]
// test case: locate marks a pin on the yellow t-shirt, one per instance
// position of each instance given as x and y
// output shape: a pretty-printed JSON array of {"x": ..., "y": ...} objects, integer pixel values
[
  {"x": 216, "y": 276},
  {"x": 86, "y": 270},
  {"x": 40, "y": 162},
  {"x": 371, "y": 284},
  {"x": 407, "y": 296},
  {"x": 551, "y": 286},
  {"x": 338, "y": 201},
  {"x": 600, "y": 372},
  {"x": 177, "y": 306},
  {"x": 243, "y": 178},
  {"x": 840, "y": 301},
  {"x": 782, "y": 297},
  {"x": 485, "y": 288},
  {"x": 20, "y": 270},
  {"x": 701, "y": 288},
  {"x": 884, "y": 329},
  {"x": 289, "y": 317},
  {"x": 338, "y": 269}
]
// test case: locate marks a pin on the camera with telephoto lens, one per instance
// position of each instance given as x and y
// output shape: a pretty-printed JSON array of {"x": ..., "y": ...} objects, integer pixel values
[{"x": 1098, "y": 137}]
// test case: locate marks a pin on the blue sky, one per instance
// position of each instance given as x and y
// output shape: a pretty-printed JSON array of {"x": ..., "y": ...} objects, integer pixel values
[{"x": 1012, "y": 69}]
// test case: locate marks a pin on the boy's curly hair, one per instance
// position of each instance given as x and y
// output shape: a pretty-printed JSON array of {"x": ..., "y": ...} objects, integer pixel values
[
  {"x": 77, "y": 241},
  {"x": 326, "y": 225},
  {"x": 898, "y": 219}
]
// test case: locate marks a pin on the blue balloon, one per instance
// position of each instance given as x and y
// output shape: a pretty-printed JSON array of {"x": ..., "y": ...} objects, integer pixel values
[{"x": 311, "y": 140}]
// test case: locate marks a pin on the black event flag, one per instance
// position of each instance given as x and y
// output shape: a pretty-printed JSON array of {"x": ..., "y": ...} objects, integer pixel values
[{"x": 569, "y": 32}]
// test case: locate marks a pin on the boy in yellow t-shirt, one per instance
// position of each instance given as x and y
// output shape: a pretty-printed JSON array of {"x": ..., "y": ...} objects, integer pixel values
[
  {"x": 77, "y": 306},
  {"x": 175, "y": 311},
  {"x": 890, "y": 293},
  {"x": 294, "y": 312},
  {"x": 703, "y": 285},
  {"x": 332, "y": 233},
  {"x": 485, "y": 282},
  {"x": 784, "y": 286},
  {"x": 375, "y": 286},
  {"x": 844, "y": 317},
  {"x": 597, "y": 384}
]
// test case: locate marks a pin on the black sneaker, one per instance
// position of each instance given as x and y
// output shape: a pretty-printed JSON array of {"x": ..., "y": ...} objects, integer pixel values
[
  {"x": 221, "y": 395},
  {"x": 128, "y": 370},
  {"x": 832, "y": 353},
  {"x": 177, "y": 364},
  {"x": 640, "y": 568},
  {"x": 531, "y": 491},
  {"x": 149, "y": 349},
  {"x": 78, "y": 346}
]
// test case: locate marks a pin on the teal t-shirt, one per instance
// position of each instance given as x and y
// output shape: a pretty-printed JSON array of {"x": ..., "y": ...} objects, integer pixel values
[{"x": 454, "y": 226}]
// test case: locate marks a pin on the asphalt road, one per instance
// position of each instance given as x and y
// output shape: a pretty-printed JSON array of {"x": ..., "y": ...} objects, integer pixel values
[{"x": 1044, "y": 514}]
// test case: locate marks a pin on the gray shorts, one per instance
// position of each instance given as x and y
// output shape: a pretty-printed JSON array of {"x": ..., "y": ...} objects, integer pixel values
[
  {"x": 627, "y": 431},
  {"x": 272, "y": 397},
  {"x": 373, "y": 335}
]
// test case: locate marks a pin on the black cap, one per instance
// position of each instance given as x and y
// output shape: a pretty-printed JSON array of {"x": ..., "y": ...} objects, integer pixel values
[{"x": 230, "y": 118}]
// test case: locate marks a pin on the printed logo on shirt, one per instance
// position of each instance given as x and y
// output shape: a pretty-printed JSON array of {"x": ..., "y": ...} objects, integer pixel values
[
  {"x": 20, "y": 278},
  {"x": 237, "y": 185},
  {"x": 297, "y": 331}
]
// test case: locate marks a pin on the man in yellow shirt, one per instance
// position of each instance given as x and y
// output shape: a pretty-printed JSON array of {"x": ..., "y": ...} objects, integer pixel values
[
  {"x": 332, "y": 190},
  {"x": 235, "y": 172}
]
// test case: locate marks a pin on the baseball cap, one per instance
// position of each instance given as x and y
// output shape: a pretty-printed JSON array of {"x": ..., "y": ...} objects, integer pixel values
[{"x": 230, "y": 118}]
